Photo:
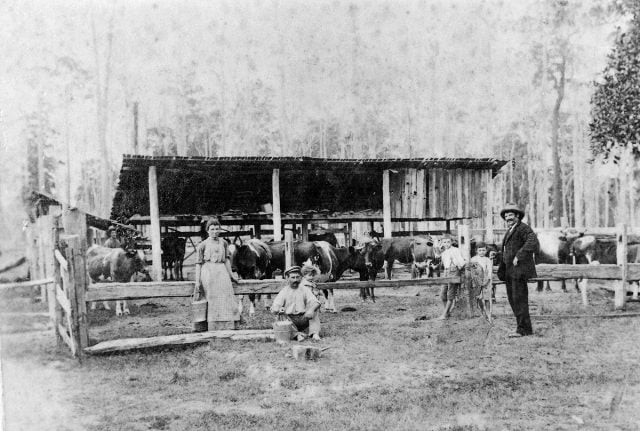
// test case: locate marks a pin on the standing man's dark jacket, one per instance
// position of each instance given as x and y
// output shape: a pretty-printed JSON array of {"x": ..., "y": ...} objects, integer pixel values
[{"x": 522, "y": 242}]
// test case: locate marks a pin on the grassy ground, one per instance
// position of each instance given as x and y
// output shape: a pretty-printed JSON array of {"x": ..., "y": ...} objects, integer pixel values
[{"x": 383, "y": 370}]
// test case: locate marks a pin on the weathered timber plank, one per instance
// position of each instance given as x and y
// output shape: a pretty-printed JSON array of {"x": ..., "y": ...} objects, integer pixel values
[
  {"x": 184, "y": 289},
  {"x": 601, "y": 272},
  {"x": 62, "y": 299},
  {"x": 61, "y": 260},
  {"x": 26, "y": 283},
  {"x": 62, "y": 332},
  {"x": 176, "y": 340}
]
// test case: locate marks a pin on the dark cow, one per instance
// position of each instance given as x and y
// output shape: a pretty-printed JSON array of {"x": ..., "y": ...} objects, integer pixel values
[
  {"x": 116, "y": 265},
  {"x": 392, "y": 249},
  {"x": 555, "y": 248},
  {"x": 372, "y": 256},
  {"x": 591, "y": 249},
  {"x": 325, "y": 236},
  {"x": 331, "y": 261},
  {"x": 302, "y": 250},
  {"x": 173, "y": 249},
  {"x": 252, "y": 261}
]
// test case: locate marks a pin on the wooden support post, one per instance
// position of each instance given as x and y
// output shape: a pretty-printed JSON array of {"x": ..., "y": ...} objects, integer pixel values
[
  {"x": 74, "y": 222},
  {"x": 448, "y": 228},
  {"x": 154, "y": 215},
  {"x": 349, "y": 237},
  {"x": 46, "y": 236},
  {"x": 76, "y": 258},
  {"x": 621, "y": 256},
  {"x": 489, "y": 236},
  {"x": 386, "y": 205},
  {"x": 305, "y": 231},
  {"x": 288, "y": 249},
  {"x": 256, "y": 230},
  {"x": 277, "y": 216},
  {"x": 464, "y": 241}
]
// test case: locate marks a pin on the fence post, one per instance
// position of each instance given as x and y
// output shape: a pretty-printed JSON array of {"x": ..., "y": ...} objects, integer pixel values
[
  {"x": 466, "y": 290},
  {"x": 77, "y": 286},
  {"x": 55, "y": 311},
  {"x": 621, "y": 256},
  {"x": 288, "y": 249}
]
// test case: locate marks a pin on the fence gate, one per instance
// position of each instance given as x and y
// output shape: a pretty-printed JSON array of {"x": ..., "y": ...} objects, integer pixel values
[{"x": 69, "y": 305}]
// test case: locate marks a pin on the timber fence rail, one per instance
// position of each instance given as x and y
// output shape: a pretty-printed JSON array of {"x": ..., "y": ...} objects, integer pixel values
[{"x": 62, "y": 266}]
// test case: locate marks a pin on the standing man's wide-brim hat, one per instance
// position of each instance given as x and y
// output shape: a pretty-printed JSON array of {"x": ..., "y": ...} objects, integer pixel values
[
  {"x": 512, "y": 208},
  {"x": 111, "y": 229}
]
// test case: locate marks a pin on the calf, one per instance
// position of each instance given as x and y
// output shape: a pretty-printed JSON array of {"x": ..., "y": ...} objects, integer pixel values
[{"x": 116, "y": 265}]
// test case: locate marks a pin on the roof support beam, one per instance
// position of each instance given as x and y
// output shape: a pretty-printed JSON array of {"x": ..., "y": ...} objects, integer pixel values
[
  {"x": 277, "y": 216},
  {"x": 154, "y": 215},
  {"x": 386, "y": 205}
]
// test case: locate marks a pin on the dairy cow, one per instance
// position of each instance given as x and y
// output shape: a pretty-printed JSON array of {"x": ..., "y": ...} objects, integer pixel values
[
  {"x": 331, "y": 261},
  {"x": 590, "y": 249},
  {"x": 173, "y": 249},
  {"x": 555, "y": 248},
  {"x": 252, "y": 261},
  {"x": 400, "y": 249},
  {"x": 117, "y": 265},
  {"x": 325, "y": 236},
  {"x": 425, "y": 256}
]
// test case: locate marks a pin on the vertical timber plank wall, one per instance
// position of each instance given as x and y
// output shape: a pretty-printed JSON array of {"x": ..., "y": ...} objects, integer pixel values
[
  {"x": 154, "y": 216},
  {"x": 277, "y": 217},
  {"x": 620, "y": 292},
  {"x": 432, "y": 196},
  {"x": 386, "y": 205},
  {"x": 460, "y": 210},
  {"x": 488, "y": 208},
  {"x": 421, "y": 195}
]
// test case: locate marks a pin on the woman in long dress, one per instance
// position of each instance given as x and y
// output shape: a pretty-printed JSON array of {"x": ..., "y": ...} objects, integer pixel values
[{"x": 214, "y": 276}]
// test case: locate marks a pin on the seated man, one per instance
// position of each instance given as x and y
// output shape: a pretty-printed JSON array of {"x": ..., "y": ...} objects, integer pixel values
[{"x": 299, "y": 304}]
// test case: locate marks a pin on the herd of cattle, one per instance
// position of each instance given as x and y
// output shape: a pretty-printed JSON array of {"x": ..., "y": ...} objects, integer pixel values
[{"x": 256, "y": 259}]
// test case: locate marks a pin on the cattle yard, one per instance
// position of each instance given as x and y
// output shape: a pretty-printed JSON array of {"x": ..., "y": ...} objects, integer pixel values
[{"x": 62, "y": 251}]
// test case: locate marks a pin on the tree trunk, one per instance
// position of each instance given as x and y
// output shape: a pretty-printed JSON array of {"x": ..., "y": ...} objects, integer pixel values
[
  {"x": 555, "y": 153},
  {"x": 102, "y": 110}
]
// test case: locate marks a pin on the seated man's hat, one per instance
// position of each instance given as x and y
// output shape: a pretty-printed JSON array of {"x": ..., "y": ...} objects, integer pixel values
[{"x": 292, "y": 269}]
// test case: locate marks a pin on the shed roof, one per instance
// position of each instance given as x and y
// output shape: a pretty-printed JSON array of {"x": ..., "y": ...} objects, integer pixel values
[
  {"x": 200, "y": 185},
  {"x": 190, "y": 164}
]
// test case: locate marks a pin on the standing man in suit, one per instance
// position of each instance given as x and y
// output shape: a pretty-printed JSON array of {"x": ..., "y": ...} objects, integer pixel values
[{"x": 518, "y": 247}]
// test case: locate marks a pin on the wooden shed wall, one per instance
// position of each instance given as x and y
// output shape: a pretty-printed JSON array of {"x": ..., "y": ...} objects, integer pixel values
[{"x": 438, "y": 193}]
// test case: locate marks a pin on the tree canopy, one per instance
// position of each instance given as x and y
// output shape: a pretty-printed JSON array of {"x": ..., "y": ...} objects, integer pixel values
[{"x": 615, "y": 103}]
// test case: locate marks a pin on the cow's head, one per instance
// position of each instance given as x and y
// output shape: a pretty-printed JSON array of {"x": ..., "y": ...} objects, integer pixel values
[
  {"x": 369, "y": 252},
  {"x": 140, "y": 276},
  {"x": 246, "y": 262}
]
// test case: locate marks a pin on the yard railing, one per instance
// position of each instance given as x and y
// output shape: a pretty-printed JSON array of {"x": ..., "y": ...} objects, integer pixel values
[{"x": 64, "y": 261}]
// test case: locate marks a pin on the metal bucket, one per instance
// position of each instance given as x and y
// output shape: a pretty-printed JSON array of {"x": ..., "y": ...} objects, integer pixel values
[
  {"x": 199, "y": 315},
  {"x": 282, "y": 331}
]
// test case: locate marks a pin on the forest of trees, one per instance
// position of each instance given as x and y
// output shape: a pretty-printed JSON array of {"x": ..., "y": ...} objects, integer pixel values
[{"x": 481, "y": 78}]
